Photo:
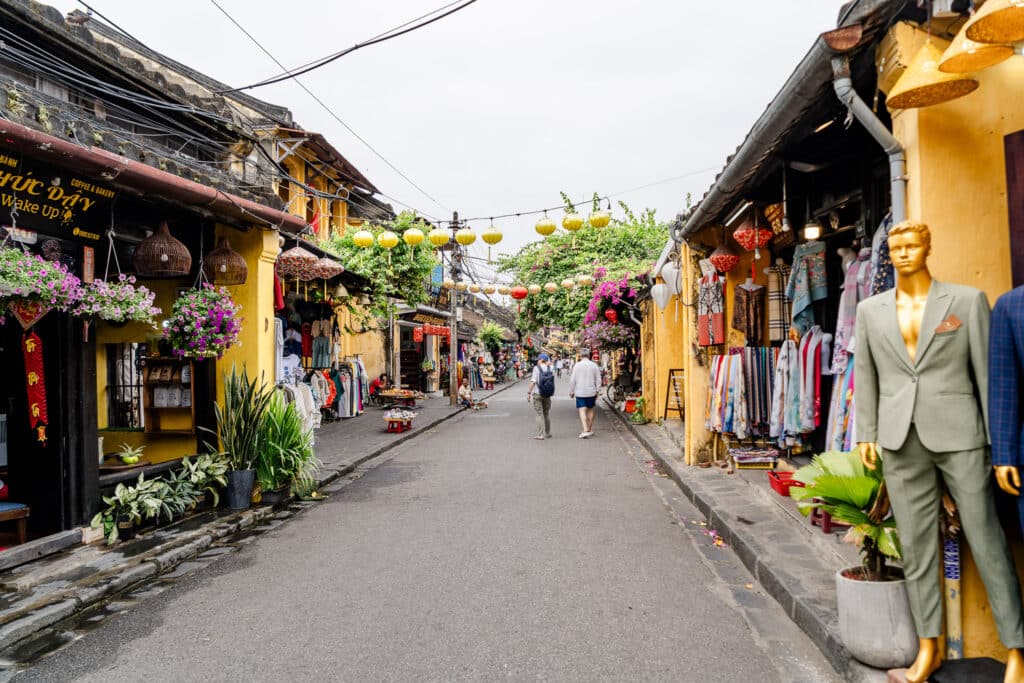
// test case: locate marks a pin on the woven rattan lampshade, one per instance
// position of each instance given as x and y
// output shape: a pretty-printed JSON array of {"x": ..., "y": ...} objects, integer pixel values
[
  {"x": 923, "y": 85},
  {"x": 964, "y": 55},
  {"x": 998, "y": 21},
  {"x": 161, "y": 255},
  {"x": 225, "y": 266}
]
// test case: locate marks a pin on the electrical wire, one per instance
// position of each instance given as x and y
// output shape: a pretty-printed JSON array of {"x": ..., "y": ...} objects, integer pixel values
[
  {"x": 379, "y": 38},
  {"x": 327, "y": 109}
]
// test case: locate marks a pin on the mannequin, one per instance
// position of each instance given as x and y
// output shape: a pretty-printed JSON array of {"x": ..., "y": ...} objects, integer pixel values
[{"x": 922, "y": 394}]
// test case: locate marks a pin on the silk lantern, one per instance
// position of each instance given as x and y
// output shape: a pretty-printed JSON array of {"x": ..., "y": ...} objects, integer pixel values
[
  {"x": 491, "y": 236},
  {"x": 535, "y": 289},
  {"x": 752, "y": 236},
  {"x": 550, "y": 287},
  {"x": 724, "y": 259},
  {"x": 438, "y": 237},
  {"x": 465, "y": 237},
  {"x": 363, "y": 239},
  {"x": 661, "y": 295},
  {"x": 545, "y": 226},
  {"x": 519, "y": 293}
]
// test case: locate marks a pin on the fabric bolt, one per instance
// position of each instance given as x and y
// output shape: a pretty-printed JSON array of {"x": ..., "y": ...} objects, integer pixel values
[
  {"x": 779, "y": 309},
  {"x": 856, "y": 288},
  {"x": 807, "y": 283},
  {"x": 711, "y": 311},
  {"x": 748, "y": 312}
]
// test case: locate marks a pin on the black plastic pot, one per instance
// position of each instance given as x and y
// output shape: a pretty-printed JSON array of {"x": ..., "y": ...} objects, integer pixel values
[
  {"x": 125, "y": 527},
  {"x": 239, "y": 489},
  {"x": 276, "y": 497}
]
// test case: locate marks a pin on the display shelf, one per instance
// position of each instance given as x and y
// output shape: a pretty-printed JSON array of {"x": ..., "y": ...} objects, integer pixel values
[{"x": 169, "y": 396}]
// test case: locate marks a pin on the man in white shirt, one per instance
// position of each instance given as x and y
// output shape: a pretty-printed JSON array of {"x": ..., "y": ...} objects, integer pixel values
[{"x": 584, "y": 383}]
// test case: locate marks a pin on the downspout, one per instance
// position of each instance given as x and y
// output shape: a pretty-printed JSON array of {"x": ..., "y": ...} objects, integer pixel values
[{"x": 843, "y": 84}]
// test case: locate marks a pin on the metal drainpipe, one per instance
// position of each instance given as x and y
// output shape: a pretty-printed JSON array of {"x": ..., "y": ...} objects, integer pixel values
[{"x": 843, "y": 85}]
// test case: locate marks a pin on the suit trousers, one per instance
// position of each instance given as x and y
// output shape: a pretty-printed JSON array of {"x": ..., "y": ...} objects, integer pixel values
[
  {"x": 542, "y": 406},
  {"x": 912, "y": 477}
]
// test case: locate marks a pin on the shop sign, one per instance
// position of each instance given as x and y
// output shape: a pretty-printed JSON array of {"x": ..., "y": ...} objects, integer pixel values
[
  {"x": 428, "y": 319},
  {"x": 50, "y": 200}
]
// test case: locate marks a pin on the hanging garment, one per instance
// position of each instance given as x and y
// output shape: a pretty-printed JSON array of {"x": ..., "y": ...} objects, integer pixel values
[
  {"x": 779, "y": 316},
  {"x": 278, "y": 294},
  {"x": 748, "y": 312},
  {"x": 781, "y": 390},
  {"x": 807, "y": 283},
  {"x": 710, "y": 311},
  {"x": 856, "y": 288},
  {"x": 279, "y": 369},
  {"x": 759, "y": 372},
  {"x": 321, "y": 352},
  {"x": 727, "y": 411},
  {"x": 810, "y": 393},
  {"x": 883, "y": 276},
  {"x": 839, "y": 435},
  {"x": 307, "y": 340}
]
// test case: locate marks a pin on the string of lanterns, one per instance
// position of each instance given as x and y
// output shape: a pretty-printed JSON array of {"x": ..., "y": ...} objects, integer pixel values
[{"x": 521, "y": 292}]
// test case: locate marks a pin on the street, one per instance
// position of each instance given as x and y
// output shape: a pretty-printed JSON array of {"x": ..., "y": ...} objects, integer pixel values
[{"x": 471, "y": 552}]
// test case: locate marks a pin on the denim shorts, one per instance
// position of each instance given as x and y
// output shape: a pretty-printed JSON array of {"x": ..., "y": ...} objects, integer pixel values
[{"x": 586, "y": 401}]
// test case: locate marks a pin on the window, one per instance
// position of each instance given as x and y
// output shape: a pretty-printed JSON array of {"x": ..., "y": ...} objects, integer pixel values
[{"x": 124, "y": 386}]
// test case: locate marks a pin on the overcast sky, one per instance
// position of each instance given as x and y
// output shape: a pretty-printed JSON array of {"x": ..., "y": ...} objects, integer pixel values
[{"x": 496, "y": 108}]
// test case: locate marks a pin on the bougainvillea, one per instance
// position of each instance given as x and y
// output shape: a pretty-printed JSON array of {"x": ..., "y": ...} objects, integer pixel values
[
  {"x": 118, "y": 301},
  {"x": 610, "y": 293},
  {"x": 204, "y": 323},
  {"x": 605, "y": 335},
  {"x": 28, "y": 277}
]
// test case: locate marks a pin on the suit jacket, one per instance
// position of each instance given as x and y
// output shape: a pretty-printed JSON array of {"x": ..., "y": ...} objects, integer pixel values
[
  {"x": 1006, "y": 355},
  {"x": 944, "y": 392}
]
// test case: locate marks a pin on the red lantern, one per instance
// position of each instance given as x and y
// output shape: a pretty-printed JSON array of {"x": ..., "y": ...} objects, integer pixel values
[
  {"x": 724, "y": 259},
  {"x": 612, "y": 315},
  {"x": 519, "y": 293},
  {"x": 417, "y": 335},
  {"x": 752, "y": 237}
]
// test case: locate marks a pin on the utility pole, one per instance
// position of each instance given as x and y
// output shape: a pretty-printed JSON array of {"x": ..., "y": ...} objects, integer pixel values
[{"x": 453, "y": 322}]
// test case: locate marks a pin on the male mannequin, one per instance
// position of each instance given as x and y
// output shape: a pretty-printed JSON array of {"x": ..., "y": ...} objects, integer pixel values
[{"x": 922, "y": 393}]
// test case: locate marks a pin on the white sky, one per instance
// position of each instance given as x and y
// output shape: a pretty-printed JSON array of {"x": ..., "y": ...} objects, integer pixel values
[{"x": 498, "y": 107}]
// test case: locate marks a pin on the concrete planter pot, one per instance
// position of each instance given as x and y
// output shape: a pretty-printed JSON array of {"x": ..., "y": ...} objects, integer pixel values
[{"x": 875, "y": 623}]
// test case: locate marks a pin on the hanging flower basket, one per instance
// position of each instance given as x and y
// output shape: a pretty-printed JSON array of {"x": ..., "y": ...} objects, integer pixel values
[
  {"x": 118, "y": 301},
  {"x": 204, "y": 323},
  {"x": 30, "y": 279}
]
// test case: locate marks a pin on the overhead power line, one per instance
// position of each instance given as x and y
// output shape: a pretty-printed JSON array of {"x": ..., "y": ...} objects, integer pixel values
[
  {"x": 379, "y": 38},
  {"x": 329, "y": 110}
]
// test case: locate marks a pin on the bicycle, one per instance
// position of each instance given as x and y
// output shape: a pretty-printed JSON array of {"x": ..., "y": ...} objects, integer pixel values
[{"x": 617, "y": 391}]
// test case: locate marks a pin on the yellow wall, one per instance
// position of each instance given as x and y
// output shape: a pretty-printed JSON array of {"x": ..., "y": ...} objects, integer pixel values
[{"x": 663, "y": 347}]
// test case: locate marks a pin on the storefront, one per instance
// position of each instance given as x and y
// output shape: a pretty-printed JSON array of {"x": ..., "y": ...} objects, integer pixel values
[{"x": 423, "y": 335}]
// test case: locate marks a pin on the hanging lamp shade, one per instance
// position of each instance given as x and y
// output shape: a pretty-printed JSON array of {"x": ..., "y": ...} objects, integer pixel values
[
  {"x": 475, "y": 288},
  {"x": 491, "y": 236},
  {"x": 518, "y": 293},
  {"x": 599, "y": 219},
  {"x": 545, "y": 226},
  {"x": 465, "y": 236},
  {"x": 998, "y": 21},
  {"x": 387, "y": 239},
  {"x": 461, "y": 286},
  {"x": 752, "y": 236},
  {"x": 550, "y": 287},
  {"x": 504, "y": 290},
  {"x": 326, "y": 268},
  {"x": 923, "y": 85},
  {"x": 965, "y": 55},
  {"x": 448, "y": 284},
  {"x": 363, "y": 239},
  {"x": 340, "y": 292},
  {"x": 535, "y": 289},
  {"x": 661, "y": 295},
  {"x": 670, "y": 274},
  {"x": 413, "y": 237},
  {"x": 438, "y": 237},
  {"x": 489, "y": 289},
  {"x": 295, "y": 262},
  {"x": 225, "y": 266},
  {"x": 568, "y": 283},
  {"x": 572, "y": 222},
  {"x": 724, "y": 259},
  {"x": 161, "y": 255}
]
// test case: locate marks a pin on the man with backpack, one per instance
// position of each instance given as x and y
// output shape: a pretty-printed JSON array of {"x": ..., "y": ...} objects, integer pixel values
[{"x": 543, "y": 381}]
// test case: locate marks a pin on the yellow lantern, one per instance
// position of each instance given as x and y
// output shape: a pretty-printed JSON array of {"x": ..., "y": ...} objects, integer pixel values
[
  {"x": 461, "y": 286},
  {"x": 413, "y": 237},
  {"x": 438, "y": 237},
  {"x": 491, "y": 236},
  {"x": 584, "y": 280},
  {"x": 550, "y": 287},
  {"x": 504, "y": 290},
  {"x": 489, "y": 289},
  {"x": 388, "y": 240},
  {"x": 363, "y": 239},
  {"x": 568, "y": 283},
  {"x": 599, "y": 219},
  {"x": 448, "y": 284},
  {"x": 465, "y": 236},
  {"x": 534, "y": 289},
  {"x": 572, "y": 222},
  {"x": 545, "y": 226},
  {"x": 475, "y": 288}
]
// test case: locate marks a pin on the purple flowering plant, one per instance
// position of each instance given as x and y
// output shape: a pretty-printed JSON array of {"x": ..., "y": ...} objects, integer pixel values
[
  {"x": 605, "y": 335},
  {"x": 204, "y": 323},
  {"x": 609, "y": 293},
  {"x": 117, "y": 301},
  {"x": 28, "y": 277}
]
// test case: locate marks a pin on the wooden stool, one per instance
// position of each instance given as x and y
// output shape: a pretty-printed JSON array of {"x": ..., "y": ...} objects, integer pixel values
[{"x": 15, "y": 512}]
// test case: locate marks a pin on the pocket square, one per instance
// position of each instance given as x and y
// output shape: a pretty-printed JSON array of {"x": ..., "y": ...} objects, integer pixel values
[{"x": 949, "y": 325}]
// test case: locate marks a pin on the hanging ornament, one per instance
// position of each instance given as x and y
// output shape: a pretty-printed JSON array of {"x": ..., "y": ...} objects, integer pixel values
[
  {"x": 612, "y": 315},
  {"x": 461, "y": 286},
  {"x": 535, "y": 289},
  {"x": 438, "y": 237},
  {"x": 161, "y": 255},
  {"x": 388, "y": 240},
  {"x": 295, "y": 262},
  {"x": 474, "y": 288},
  {"x": 491, "y": 236},
  {"x": 599, "y": 218},
  {"x": 35, "y": 383},
  {"x": 363, "y": 239},
  {"x": 413, "y": 237},
  {"x": 225, "y": 266},
  {"x": 448, "y": 284},
  {"x": 545, "y": 226},
  {"x": 550, "y": 287},
  {"x": 661, "y": 295},
  {"x": 724, "y": 259},
  {"x": 751, "y": 236},
  {"x": 326, "y": 268},
  {"x": 519, "y": 293},
  {"x": 489, "y": 289},
  {"x": 504, "y": 290},
  {"x": 572, "y": 222},
  {"x": 670, "y": 274},
  {"x": 465, "y": 236}
]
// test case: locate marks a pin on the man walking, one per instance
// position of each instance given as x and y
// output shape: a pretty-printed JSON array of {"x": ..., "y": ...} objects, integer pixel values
[
  {"x": 543, "y": 381},
  {"x": 584, "y": 383}
]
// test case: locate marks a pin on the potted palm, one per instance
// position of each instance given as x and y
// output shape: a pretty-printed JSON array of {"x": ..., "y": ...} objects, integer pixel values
[
  {"x": 874, "y": 613},
  {"x": 238, "y": 425},
  {"x": 285, "y": 451}
]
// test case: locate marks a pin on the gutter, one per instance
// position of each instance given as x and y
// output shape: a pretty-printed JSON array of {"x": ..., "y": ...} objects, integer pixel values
[
  {"x": 135, "y": 176},
  {"x": 843, "y": 85}
]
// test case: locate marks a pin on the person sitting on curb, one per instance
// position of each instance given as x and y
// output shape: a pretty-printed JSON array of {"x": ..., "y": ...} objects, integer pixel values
[{"x": 466, "y": 396}]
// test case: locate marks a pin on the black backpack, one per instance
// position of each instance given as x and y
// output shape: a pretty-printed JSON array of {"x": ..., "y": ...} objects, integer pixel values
[{"x": 546, "y": 385}]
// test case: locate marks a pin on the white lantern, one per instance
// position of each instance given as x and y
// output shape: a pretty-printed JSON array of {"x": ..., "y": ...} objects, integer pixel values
[
  {"x": 670, "y": 274},
  {"x": 661, "y": 295}
]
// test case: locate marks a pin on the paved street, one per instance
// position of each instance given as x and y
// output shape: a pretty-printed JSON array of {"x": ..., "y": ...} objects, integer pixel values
[{"x": 471, "y": 552}]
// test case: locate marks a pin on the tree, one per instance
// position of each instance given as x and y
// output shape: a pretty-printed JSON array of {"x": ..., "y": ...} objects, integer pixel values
[{"x": 629, "y": 247}]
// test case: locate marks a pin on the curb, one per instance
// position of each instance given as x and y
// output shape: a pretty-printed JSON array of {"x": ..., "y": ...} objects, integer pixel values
[
  {"x": 28, "y": 619},
  {"x": 802, "y": 603}
]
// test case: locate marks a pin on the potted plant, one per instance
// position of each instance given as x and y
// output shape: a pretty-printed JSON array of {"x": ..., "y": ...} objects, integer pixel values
[
  {"x": 130, "y": 455},
  {"x": 30, "y": 280},
  {"x": 239, "y": 420},
  {"x": 118, "y": 302},
  {"x": 204, "y": 323},
  {"x": 875, "y": 622},
  {"x": 129, "y": 507},
  {"x": 285, "y": 448},
  {"x": 208, "y": 474}
]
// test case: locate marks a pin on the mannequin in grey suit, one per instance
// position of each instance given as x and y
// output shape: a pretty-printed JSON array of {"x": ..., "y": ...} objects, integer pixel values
[{"x": 922, "y": 392}]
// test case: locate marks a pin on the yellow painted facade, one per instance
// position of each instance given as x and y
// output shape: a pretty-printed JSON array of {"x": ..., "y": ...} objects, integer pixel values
[{"x": 663, "y": 349}]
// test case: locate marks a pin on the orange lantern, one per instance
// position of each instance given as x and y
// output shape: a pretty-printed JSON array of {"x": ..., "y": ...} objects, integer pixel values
[{"x": 751, "y": 236}]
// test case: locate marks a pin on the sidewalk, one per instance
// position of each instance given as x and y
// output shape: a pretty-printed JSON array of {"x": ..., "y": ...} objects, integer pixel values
[
  {"x": 38, "y": 595},
  {"x": 795, "y": 562}
]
